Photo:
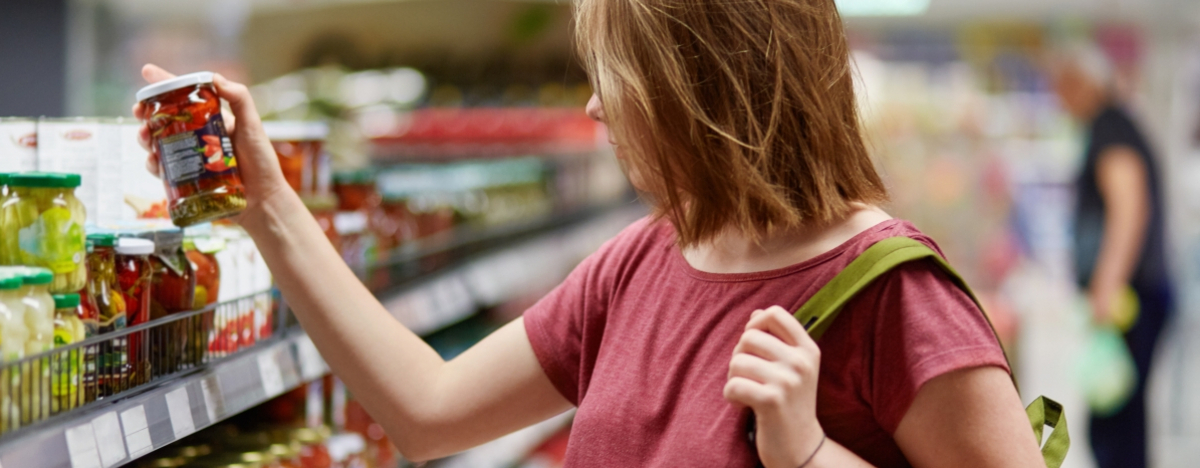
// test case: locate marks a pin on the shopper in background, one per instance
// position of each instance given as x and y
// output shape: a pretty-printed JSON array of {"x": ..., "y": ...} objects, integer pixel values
[
  {"x": 738, "y": 119},
  {"x": 1119, "y": 235}
]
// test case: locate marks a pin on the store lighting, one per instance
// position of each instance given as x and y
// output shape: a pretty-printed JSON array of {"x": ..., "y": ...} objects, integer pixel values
[{"x": 882, "y": 7}]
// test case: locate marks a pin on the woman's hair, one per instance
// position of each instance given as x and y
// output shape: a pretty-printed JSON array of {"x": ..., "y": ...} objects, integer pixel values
[{"x": 732, "y": 113}]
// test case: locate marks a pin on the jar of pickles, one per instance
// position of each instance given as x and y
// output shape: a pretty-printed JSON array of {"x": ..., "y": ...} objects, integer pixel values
[
  {"x": 12, "y": 345},
  {"x": 47, "y": 220},
  {"x": 39, "y": 322},
  {"x": 196, "y": 155},
  {"x": 104, "y": 294},
  {"x": 39, "y": 310},
  {"x": 8, "y": 244},
  {"x": 132, "y": 266},
  {"x": 67, "y": 366}
]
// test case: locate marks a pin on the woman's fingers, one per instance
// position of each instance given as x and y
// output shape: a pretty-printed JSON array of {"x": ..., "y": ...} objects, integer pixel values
[
  {"x": 777, "y": 321},
  {"x": 764, "y": 345},
  {"x": 153, "y": 166},
  {"x": 153, "y": 73}
]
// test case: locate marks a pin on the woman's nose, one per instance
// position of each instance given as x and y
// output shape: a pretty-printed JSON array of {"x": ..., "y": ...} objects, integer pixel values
[{"x": 595, "y": 110}]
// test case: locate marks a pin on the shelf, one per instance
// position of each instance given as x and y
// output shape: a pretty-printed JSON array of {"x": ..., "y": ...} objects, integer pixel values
[
  {"x": 490, "y": 267},
  {"x": 114, "y": 434}
]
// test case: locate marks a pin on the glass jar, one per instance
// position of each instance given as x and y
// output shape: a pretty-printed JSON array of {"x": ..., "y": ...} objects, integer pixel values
[
  {"x": 298, "y": 145},
  {"x": 67, "y": 366},
  {"x": 324, "y": 209},
  {"x": 12, "y": 344},
  {"x": 356, "y": 190},
  {"x": 39, "y": 322},
  {"x": 198, "y": 165},
  {"x": 401, "y": 220},
  {"x": 173, "y": 289},
  {"x": 201, "y": 254},
  {"x": 49, "y": 224},
  {"x": 104, "y": 294},
  {"x": 134, "y": 276},
  {"x": 39, "y": 310},
  {"x": 8, "y": 242}
]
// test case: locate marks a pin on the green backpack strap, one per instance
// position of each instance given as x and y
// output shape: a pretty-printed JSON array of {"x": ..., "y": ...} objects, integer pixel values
[{"x": 819, "y": 312}]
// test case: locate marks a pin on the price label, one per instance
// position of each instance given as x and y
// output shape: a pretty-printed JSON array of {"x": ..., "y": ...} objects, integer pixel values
[
  {"x": 312, "y": 365},
  {"x": 109, "y": 439},
  {"x": 210, "y": 387},
  {"x": 272, "y": 377},
  {"x": 81, "y": 447},
  {"x": 179, "y": 409},
  {"x": 137, "y": 432}
]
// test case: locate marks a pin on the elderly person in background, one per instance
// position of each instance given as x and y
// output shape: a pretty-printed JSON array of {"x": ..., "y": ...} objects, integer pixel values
[{"x": 1119, "y": 236}]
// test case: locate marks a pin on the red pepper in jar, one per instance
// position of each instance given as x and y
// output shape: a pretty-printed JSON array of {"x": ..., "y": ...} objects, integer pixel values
[{"x": 196, "y": 155}]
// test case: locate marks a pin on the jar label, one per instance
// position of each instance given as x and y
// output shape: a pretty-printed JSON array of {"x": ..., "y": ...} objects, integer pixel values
[
  {"x": 54, "y": 241},
  {"x": 196, "y": 154}
]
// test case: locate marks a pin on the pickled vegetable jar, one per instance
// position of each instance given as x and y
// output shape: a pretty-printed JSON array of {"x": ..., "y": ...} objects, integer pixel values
[
  {"x": 104, "y": 293},
  {"x": 173, "y": 287},
  {"x": 187, "y": 130},
  {"x": 8, "y": 240},
  {"x": 201, "y": 254},
  {"x": 132, "y": 264},
  {"x": 12, "y": 345},
  {"x": 67, "y": 366},
  {"x": 298, "y": 146},
  {"x": 39, "y": 322},
  {"x": 39, "y": 310},
  {"x": 47, "y": 221}
]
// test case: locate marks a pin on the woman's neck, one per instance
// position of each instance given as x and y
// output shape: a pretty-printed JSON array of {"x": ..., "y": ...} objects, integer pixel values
[{"x": 734, "y": 252}]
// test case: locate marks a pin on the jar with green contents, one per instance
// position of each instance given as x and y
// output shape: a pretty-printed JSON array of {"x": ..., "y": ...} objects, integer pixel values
[
  {"x": 8, "y": 243},
  {"x": 67, "y": 366},
  {"x": 47, "y": 221},
  {"x": 10, "y": 253},
  {"x": 104, "y": 293},
  {"x": 39, "y": 322},
  {"x": 12, "y": 344}
]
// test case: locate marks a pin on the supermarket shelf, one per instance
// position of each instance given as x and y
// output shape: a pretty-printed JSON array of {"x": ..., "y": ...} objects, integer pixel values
[
  {"x": 490, "y": 267},
  {"x": 509, "y": 263},
  {"x": 110, "y": 435}
]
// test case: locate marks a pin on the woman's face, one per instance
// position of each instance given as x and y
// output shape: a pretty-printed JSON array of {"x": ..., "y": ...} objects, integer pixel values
[{"x": 595, "y": 110}]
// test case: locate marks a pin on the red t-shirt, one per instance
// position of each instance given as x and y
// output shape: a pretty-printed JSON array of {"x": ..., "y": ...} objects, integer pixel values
[{"x": 640, "y": 342}]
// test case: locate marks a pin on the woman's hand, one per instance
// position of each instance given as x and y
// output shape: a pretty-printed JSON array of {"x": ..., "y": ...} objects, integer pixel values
[
  {"x": 257, "y": 163},
  {"x": 774, "y": 372}
]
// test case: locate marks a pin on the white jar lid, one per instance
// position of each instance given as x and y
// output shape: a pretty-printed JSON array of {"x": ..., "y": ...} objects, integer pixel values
[
  {"x": 173, "y": 84},
  {"x": 134, "y": 246}
]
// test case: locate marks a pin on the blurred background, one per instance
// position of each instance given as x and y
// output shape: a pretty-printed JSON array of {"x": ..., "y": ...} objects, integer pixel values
[{"x": 956, "y": 97}]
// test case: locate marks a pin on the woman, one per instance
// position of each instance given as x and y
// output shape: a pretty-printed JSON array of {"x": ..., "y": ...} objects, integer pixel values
[{"x": 738, "y": 120}]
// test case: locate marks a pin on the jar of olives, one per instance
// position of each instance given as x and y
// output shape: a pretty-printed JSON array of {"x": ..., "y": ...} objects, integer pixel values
[{"x": 47, "y": 220}]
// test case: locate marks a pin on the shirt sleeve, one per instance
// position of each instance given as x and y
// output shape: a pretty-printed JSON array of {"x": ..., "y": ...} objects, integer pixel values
[
  {"x": 566, "y": 326},
  {"x": 925, "y": 327}
]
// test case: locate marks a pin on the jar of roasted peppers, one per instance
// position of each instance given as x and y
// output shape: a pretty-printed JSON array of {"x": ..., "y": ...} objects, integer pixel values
[
  {"x": 201, "y": 254},
  {"x": 196, "y": 155},
  {"x": 133, "y": 281},
  {"x": 173, "y": 289},
  {"x": 298, "y": 145},
  {"x": 104, "y": 294}
]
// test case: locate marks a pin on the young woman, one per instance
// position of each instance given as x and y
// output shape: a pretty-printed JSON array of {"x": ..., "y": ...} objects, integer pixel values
[{"x": 738, "y": 121}]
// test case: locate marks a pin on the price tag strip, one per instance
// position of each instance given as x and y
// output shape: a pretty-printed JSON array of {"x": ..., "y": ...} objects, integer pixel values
[
  {"x": 137, "y": 432},
  {"x": 81, "y": 447},
  {"x": 272, "y": 377},
  {"x": 109, "y": 439},
  {"x": 179, "y": 410}
]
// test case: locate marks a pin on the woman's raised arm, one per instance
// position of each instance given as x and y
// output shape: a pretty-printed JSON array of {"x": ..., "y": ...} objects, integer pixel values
[{"x": 429, "y": 407}]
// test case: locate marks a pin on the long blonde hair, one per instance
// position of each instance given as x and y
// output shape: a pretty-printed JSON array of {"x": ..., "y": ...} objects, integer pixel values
[{"x": 735, "y": 113}]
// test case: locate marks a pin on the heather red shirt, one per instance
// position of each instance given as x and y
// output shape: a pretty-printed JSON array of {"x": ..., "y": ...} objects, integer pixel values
[{"x": 640, "y": 342}]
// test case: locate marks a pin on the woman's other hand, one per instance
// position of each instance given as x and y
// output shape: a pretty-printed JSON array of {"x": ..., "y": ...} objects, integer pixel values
[
  {"x": 774, "y": 372},
  {"x": 257, "y": 163}
]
